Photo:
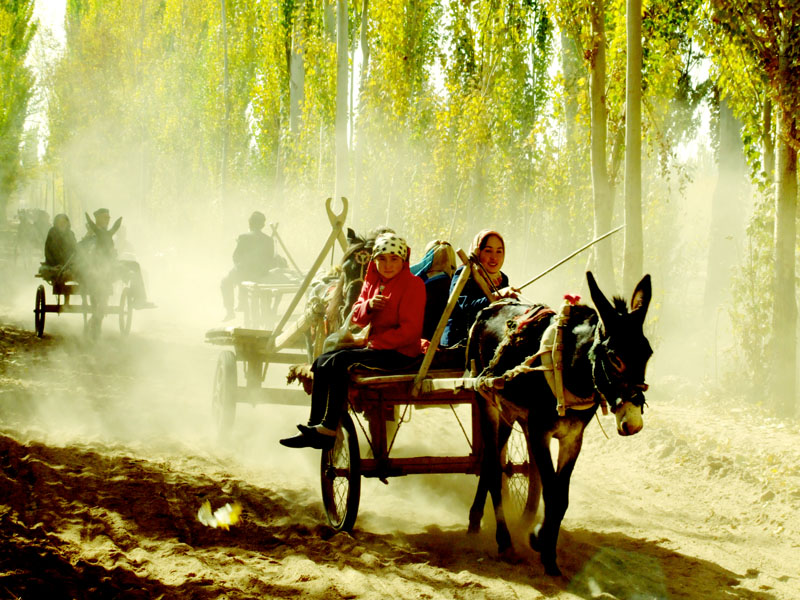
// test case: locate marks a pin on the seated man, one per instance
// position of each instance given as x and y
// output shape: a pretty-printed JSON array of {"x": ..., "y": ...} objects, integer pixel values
[
  {"x": 60, "y": 245},
  {"x": 99, "y": 241},
  {"x": 253, "y": 258}
]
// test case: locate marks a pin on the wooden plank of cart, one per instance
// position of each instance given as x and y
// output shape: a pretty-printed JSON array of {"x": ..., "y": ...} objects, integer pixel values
[
  {"x": 374, "y": 402},
  {"x": 256, "y": 349}
]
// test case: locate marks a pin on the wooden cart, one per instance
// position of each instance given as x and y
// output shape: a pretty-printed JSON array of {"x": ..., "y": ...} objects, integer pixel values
[
  {"x": 65, "y": 293},
  {"x": 375, "y": 402},
  {"x": 255, "y": 349}
]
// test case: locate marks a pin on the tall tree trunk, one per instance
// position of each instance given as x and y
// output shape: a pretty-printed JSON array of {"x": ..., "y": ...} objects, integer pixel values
[
  {"x": 358, "y": 149},
  {"x": 633, "y": 260},
  {"x": 341, "y": 187},
  {"x": 600, "y": 184},
  {"x": 329, "y": 19},
  {"x": 297, "y": 75},
  {"x": 726, "y": 210},
  {"x": 571, "y": 67},
  {"x": 768, "y": 142},
  {"x": 784, "y": 325},
  {"x": 227, "y": 105}
]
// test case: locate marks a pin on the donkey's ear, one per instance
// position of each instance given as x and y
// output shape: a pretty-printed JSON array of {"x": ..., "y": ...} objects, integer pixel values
[
  {"x": 90, "y": 224},
  {"x": 601, "y": 303},
  {"x": 641, "y": 297},
  {"x": 351, "y": 236},
  {"x": 115, "y": 226}
]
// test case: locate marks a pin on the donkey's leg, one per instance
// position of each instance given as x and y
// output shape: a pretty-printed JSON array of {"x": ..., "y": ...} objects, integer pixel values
[
  {"x": 556, "y": 499},
  {"x": 502, "y": 534},
  {"x": 490, "y": 461}
]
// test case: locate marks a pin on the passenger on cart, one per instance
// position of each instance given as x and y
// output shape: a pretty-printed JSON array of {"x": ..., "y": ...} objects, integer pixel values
[
  {"x": 98, "y": 243},
  {"x": 59, "y": 250},
  {"x": 253, "y": 259},
  {"x": 436, "y": 271},
  {"x": 392, "y": 303},
  {"x": 489, "y": 249}
]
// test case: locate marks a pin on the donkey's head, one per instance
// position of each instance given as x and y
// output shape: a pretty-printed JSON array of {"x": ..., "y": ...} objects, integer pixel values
[
  {"x": 104, "y": 238},
  {"x": 620, "y": 353}
]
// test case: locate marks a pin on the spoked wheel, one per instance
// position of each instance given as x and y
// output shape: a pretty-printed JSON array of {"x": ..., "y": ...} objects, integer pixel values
[
  {"x": 86, "y": 310},
  {"x": 39, "y": 311},
  {"x": 520, "y": 492},
  {"x": 340, "y": 471},
  {"x": 125, "y": 312},
  {"x": 223, "y": 402}
]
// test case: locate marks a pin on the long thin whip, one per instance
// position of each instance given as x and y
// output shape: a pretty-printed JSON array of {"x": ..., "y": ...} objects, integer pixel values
[{"x": 563, "y": 260}]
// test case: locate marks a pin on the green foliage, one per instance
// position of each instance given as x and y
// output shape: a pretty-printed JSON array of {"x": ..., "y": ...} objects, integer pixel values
[
  {"x": 753, "y": 296},
  {"x": 16, "y": 84}
]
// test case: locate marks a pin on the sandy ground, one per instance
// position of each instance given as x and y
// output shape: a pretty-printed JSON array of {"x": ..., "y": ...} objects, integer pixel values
[{"x": 107, "y": 451}]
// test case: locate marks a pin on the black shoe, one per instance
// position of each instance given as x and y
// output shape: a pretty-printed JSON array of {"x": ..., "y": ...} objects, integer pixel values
[
  {"x": 297, "y": 441},
  {"x": 313, "y": 439},
  {"x": 306, "y": 429}
]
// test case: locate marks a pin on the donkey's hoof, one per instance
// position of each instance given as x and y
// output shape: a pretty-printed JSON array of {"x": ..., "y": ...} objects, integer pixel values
[
  {"x": 474, "y": 528},
  {"x": 510, "y": 555},
  {"x": 551, "y": 569},
  {"x": 533, "y": 540}
]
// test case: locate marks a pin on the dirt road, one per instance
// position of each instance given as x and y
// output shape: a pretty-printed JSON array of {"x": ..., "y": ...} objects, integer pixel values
[{"x": 107, "y": 452}]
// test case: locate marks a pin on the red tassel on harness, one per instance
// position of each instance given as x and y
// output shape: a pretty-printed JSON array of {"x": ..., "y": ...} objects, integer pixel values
[{"x": 572, "y": 299}]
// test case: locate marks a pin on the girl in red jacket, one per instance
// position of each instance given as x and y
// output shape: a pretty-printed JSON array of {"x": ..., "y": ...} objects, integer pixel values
[{"x": 392, "y": 302}]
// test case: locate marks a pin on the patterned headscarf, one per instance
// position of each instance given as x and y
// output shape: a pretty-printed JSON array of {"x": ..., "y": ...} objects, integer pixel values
[
  {"x": 390, "y": 243},
  {"x": 480, "y": 239}
]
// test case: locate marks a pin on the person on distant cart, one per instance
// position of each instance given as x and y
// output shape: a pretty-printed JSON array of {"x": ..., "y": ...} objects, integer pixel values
[
  {"x": 60, "y": 246},
  {"x": 489, "y": 249},
  {"x": 253, "y": 259},
  {"x": 392, "y": 303}
]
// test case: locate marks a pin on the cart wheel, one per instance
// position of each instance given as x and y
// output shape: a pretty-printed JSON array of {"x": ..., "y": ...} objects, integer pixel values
[
  {"x": 85, "y": 308},
  {"x": 519, "y": 486},
  {"x": 125, "y": 312},
  {"x": 340, "y": 472},
  {"x": 39, "y": 311},
  {"x": 223, "y": 403}
]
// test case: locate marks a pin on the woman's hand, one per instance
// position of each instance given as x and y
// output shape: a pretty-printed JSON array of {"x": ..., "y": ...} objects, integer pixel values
[
  {"x": 507, "y": 292},
  {"x": 377, "y": 302}
]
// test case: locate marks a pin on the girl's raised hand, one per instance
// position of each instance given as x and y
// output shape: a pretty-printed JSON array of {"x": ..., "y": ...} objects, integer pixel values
[{"x": 377, "y": 302}]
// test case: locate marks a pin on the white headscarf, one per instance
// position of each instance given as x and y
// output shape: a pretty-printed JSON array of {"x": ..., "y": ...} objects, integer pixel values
[{"x": 390, "y": 243}]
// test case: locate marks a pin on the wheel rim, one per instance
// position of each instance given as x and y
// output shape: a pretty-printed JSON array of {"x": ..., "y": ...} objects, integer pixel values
[
  {"x": 516, "y": 480},
  {"x": 39, "y": 310},
  {"x": 222, "y": 401},
  {"x": 125, "y": 312},
  {"x": 336, "y": 477},
  {"x": 341, "y": 477}
]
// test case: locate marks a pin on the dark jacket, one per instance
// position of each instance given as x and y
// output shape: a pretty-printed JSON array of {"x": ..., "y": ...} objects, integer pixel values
[
  {"x": 255, "y": 254},
  {"x": 470, "y": 302},
  {"x": 59, "y": 247}
]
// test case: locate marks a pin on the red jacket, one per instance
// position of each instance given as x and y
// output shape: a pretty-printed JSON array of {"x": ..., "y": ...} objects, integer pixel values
[{"x": 399, "y": 325}]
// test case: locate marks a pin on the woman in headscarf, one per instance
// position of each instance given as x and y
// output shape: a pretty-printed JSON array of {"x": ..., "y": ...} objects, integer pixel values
[
  {"x": 436, "y": 270},
  {"x": 489, "y": 249},
  {"x": 392, "y": 303}
]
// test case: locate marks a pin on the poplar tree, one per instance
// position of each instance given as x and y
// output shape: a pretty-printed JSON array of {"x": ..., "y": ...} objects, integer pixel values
[{"x": 17, "y": 28}]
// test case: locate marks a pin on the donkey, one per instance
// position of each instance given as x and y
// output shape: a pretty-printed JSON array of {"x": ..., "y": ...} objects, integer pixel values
[
  {"x": 97, "y": 268},
  {"x": 605, "y": 354}
]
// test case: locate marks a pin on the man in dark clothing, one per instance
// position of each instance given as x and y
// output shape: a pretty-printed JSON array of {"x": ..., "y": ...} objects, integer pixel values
[
  {"x": 60, "y": 244},
  {"x": 253, "y": 258}
]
